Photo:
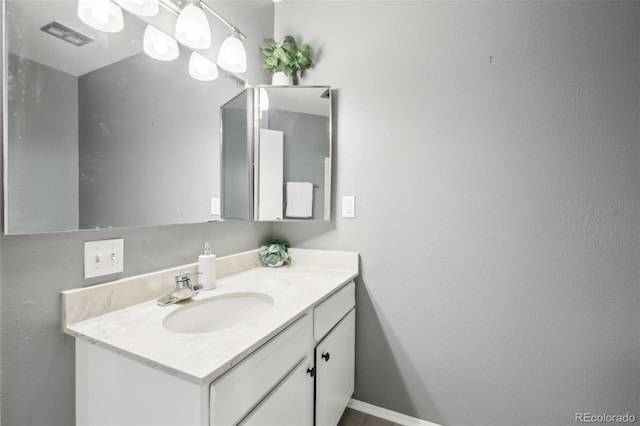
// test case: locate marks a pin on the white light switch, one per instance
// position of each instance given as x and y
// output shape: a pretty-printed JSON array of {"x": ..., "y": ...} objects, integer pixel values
[
  {"x": 103, "y": 257},
  {"x": 349, "y": 206},
  {"x": 215, "y": 206}
]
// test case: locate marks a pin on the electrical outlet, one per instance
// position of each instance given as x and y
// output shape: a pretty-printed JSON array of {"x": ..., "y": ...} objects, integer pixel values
[
  {"x": 349, "y": 206},
  {"x": 103, "y": 257}
]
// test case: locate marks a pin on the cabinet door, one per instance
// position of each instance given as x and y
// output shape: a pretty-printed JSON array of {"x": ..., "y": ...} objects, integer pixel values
[
  {"x": 335, "y": 366},
  {"x": 290, "y": 403},
  {"x": 235, "y": 394}
]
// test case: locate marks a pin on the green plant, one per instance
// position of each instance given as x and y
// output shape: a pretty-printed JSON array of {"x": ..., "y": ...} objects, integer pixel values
[
  {"x": 286, "y": 57},
  {"x": 275, "y": 253}
]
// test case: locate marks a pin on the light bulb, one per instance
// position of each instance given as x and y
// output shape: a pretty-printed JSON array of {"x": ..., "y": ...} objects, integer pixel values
[
  {"x": 159, "y": 45},
  {"x": 192, "y": 28},
  {"x": 201, "y": 68},
  {"x": 232, "y": 56},
  {"x": 102, "y": 15}
]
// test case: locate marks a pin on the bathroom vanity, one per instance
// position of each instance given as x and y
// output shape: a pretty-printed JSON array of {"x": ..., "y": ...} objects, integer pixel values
[{"x": 268, "y": 346}]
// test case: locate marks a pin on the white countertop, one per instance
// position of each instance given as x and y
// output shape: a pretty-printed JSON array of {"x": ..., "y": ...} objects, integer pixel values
[{"x": 137, "y": 331}]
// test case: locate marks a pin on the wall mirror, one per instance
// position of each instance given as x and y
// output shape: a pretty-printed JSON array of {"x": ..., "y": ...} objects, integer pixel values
[
  {"x": 99, "y": 134},
  {"x": 291, "y": 155}
]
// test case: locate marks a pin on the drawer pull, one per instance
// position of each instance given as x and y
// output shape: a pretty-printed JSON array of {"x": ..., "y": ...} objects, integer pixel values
[{"x": 326, "y": 356}]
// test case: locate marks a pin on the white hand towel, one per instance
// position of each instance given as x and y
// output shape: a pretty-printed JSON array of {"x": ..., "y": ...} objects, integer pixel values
[{"x": 299, "y": 199}]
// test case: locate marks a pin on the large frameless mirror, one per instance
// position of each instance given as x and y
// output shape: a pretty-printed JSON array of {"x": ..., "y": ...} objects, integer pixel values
[{"x": 99, "y": 134}]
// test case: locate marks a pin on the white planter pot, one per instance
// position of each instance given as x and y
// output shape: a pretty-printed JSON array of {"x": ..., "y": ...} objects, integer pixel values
[{"x": 280, "y": 79}]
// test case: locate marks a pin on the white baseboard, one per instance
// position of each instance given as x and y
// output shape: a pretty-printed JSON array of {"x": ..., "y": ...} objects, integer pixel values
[{"x": 383, "y": 413}]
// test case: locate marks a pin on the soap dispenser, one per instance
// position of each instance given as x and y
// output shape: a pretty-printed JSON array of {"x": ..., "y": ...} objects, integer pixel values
[{"x": 207, "y": 268}]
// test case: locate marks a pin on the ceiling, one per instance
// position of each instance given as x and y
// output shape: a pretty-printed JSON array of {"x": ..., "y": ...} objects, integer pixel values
[{"x": 24, "y": 18}]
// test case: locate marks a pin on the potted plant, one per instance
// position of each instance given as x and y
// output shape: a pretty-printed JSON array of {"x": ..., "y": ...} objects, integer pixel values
[
  {"x": 285, "y": 57},
  {"x": 274, "y": 254}
]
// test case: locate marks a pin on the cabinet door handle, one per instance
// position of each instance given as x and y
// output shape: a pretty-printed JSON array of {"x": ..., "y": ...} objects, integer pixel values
[
  {"x": 311, "y": 371},
  {"x": 326, "y": 356}
]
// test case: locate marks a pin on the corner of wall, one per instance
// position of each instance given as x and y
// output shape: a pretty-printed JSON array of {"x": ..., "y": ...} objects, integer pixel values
[{"x": 2, "y": 130}]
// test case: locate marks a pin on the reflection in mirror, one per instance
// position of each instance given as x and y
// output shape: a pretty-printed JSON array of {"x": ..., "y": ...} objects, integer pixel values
[
  {"x": 293, "y": 154},
  {"x": 98, "y": 134},
  {"x": 237, "y": 139}
]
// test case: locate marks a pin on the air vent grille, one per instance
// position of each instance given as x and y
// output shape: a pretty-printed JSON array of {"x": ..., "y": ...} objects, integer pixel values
[{"x": 67, "y": 34}]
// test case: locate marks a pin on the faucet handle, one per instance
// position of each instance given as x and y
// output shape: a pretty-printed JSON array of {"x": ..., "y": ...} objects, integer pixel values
[{"x": 183, "y": 280}]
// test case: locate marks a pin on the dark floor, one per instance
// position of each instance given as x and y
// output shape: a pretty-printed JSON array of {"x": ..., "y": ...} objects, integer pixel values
[{"x": 356, "y": 418}]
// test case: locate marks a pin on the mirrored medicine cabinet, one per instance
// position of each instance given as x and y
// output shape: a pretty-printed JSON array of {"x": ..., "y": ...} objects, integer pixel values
[{"x": 276, "y": 154}]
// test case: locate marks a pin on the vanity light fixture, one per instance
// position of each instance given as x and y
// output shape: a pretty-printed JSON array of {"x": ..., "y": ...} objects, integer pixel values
[
  {"x": 232, "y": 56},
  {"x": 192, "y": 27},
  {"x": 103, "y": 15},
  {"x": 141, "y": 7},
  {"x": 159, "y": 45},
  {"x": 201, "y": 68},
  {"x": 193, "y": 30}
]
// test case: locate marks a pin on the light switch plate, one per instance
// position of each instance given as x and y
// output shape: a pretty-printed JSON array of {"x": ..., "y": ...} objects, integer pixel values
[
  {"x": 349, "y": 206},
  {"x": 103, "y": 257},
  {"x": 215, "y": 206}
]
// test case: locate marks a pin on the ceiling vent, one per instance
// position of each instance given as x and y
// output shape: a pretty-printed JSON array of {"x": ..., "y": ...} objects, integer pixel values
[{"x": 67, "y": 34}]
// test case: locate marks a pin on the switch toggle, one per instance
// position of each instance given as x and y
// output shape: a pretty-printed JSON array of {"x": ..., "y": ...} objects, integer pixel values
[{"x": 103, "y": 257}]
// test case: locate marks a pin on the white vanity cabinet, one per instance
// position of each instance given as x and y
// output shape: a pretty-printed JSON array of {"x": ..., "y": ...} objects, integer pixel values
[
  {"x": 331, "y": 363},
  {"x": 335, "y": 359},
  {"x": 334, "y": 330},
  {"x": 304, "y": 375},
  {"x": 255, "y": 388}
]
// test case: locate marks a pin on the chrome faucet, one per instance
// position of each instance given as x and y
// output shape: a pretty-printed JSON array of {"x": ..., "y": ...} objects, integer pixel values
[{"x": 183, "y": 289}]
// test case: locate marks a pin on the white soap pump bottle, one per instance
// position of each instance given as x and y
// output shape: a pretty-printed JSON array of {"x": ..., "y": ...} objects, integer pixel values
[{"x": 207, "y": 268}]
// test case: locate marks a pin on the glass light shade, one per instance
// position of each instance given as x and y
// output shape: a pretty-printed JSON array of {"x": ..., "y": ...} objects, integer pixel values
[
  {"x": 232, "y": 56},
  {"x": 264, "y": 99},
  {"x": 159, "y": 45},
  {"x": 141, "y": 7},
  {"x": 192, "y": 28},
  {"x": 102, "y": 15},
  {"x": 201, "y": 68}
]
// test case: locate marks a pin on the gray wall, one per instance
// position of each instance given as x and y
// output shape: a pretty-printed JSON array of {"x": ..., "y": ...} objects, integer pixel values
[
  {"x": 2, "y": 190},
  {"x": 43, "y": 135},
  {"x": 37, "y": 374},
  {"x": 497, "y": 202}
]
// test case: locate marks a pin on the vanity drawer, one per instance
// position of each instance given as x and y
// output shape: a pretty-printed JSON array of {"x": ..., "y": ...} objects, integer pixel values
[
  {"x": 234, "y": 394},
  {"x": 328, "y": 313}
]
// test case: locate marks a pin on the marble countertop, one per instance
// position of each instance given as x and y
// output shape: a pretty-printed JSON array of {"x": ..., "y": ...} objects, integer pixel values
[{"x": 137, "y": 331}]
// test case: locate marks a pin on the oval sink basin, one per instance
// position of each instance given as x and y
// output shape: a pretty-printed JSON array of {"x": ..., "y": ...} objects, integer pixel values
[{"x": 218, "y": 313}]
